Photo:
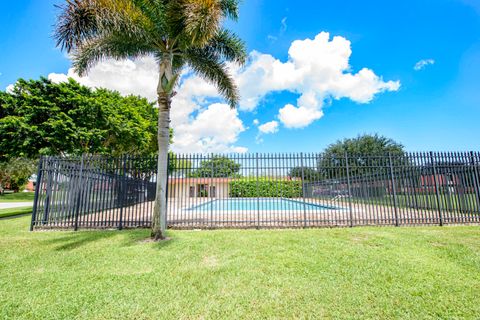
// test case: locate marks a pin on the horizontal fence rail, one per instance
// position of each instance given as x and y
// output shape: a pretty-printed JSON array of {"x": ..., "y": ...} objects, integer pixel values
[{"x": 261, "y": 190}]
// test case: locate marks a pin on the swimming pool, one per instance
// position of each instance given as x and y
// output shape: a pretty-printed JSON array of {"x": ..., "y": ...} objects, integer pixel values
[{"x": 248, "y": 204}]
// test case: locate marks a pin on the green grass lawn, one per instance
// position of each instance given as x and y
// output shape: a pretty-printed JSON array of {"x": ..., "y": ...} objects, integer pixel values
[
  {"x": 381, "y": 273},
  {"x": 17, "y": 197},
  {"x": 4, "y": 213}
]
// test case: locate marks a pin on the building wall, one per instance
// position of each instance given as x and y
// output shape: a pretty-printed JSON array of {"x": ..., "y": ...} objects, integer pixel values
[{"x": 182, "y": 189}]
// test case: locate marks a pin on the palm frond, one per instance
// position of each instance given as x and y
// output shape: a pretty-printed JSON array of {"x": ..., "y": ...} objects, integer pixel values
[
  {"x": 76, "y": 22},
  {"x": 82, "y": 20},
  {"x": 116, "y": 46},
  {"x": 155, "y": 11},
  {"x": 213, "y": 70},
  {"x": 230, "y": 8},
  {"x": 229, "y": 46}
]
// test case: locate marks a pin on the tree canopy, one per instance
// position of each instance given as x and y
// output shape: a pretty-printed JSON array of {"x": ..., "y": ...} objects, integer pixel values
[
  {"x": 365, "y": 154},
  {"x": 218, "y": 167},
  {"x": 39, "y": 117}
]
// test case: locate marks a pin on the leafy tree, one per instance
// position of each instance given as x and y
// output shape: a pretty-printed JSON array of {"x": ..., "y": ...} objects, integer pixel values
[
  {"x": 40, "y": 117},
  {"x": 218, "y": 167},
  {"x": 14, "y": 173},
  {"x": 177, "y": 33},
  {"x": 306, "y": 173},
  {"x": 366, "y": 154}
]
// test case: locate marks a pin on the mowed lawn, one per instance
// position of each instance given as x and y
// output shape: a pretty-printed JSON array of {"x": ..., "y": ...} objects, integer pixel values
[{"x": 382, "y": 273}]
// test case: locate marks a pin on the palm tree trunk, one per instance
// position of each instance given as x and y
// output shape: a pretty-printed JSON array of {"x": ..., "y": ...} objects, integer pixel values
[{"x": 159, "y": 217}]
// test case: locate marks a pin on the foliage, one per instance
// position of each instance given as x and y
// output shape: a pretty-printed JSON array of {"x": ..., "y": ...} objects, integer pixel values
[
  {"x": 341, "y": 273},
  {"x": 14, "y": 173},
  {"x": 251, "y": 187},
  {"x": 180, "y": 166},
  {"x": 305, "y": 173},
  {"x": 40, "y": 117},
  {"x": 366, "y": 155},
  {"x": 217, "y": 167}
]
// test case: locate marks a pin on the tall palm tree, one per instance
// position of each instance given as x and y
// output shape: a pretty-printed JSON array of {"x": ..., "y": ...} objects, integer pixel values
[{"x": 177, "y": 33}]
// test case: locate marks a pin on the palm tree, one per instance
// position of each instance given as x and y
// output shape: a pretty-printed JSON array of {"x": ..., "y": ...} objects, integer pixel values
[{"x": 178, "y": 33}]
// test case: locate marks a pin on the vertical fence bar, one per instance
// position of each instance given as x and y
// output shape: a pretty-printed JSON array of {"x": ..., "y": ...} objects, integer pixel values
[
  {"x": 303, "y": 191},
  {"x": 434, "y": 166},
  {"x": 209, "y": 188},
  {"x": 394, "y": 189},
  {"x": 349, "y": 190},
  {"x": 79, "y": 194},
  {"x": 257, "y": 194},
  {"x": 123, "y": 191},
  {"x": 475, "y": 180},
  {"x": 37, "y": 189}
]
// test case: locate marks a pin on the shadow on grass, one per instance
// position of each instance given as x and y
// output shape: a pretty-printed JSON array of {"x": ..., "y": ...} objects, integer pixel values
[{"x": 73, "y": 240}]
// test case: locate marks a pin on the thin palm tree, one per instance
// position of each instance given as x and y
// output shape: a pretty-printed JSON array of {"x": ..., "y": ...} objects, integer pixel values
[{"x": 178, "y": 33}]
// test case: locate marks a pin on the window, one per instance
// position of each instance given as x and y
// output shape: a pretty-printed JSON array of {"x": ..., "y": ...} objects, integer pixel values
[
  {"x": 213, "y": 191},
  {"x": 191, "y": 192},
  {"x": 202, "y": 190}
]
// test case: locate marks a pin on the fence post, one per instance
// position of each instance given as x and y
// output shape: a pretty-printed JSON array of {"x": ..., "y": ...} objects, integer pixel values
[
  {"x": 303, "y": 191},
  {"x": 349, "y": 190},
  {"x": 48, "y": 192},
  {"x": 37, "y": 189},
  {"x": 394, "y": 189},
  {"x": 257, "y": 193},
  {"x": 209, "y": 190},
  {"x": 475, "y": 179},
  {"x": 79, "y": 193},
  {"x": 434, "y": 166},
  {"x": 123, "y": 192}
]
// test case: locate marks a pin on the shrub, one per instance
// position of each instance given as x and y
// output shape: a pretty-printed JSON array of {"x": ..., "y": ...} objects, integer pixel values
[
  {"x": 248, "y": 188},
  {"x": 14, "y": 174}
]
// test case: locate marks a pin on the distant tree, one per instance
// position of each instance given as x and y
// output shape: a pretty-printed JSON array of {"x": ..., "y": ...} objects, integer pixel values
[
  {"x": 14, "y": 173},
  {"x": 40, "y": 117},
  {"x": 306, "y": 172},
  {"x": 218, "y": 167},
  {"x": 366, "y": 154}
]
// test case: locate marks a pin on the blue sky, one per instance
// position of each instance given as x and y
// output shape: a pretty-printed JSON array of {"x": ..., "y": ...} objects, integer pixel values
[{"x": 435, "y": 108}]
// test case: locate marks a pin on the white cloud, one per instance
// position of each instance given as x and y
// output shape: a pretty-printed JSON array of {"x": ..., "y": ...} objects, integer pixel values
[
  {"x": 272, "y": 38},
  {"x": 256, "y": 122},
  {"x": 298, "y": 117},
  {"x": 318, "y": 70},
  {"x": 422, "y": 64},
  {"x": 137, "y": 77},
  {"x": 269, "y": 127},
  {"x": 200, "y": 124},
  {"x": 283, "y": 28}
]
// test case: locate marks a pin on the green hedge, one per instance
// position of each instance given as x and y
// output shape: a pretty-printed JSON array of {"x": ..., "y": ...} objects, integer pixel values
[{"x": 247, "y": 188}]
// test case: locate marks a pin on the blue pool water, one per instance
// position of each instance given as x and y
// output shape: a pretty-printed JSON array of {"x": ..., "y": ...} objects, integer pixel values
[{"x": 277, "y": 204}]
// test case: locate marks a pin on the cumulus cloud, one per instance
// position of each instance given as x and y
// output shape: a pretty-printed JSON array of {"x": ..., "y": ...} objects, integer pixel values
[
  {"x": 200, "y": 123},
  {"x": 422, "y": 64},
  {"x": 269, "y": 127},
  {"x": 318, "y": 70}
]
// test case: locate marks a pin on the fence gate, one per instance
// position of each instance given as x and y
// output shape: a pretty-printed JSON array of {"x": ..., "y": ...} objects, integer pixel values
[{"x": 261, "y": 190}]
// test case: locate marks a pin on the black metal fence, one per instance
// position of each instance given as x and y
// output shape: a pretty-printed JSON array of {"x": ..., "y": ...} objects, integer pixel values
[{"x": 261, "y": 190}]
